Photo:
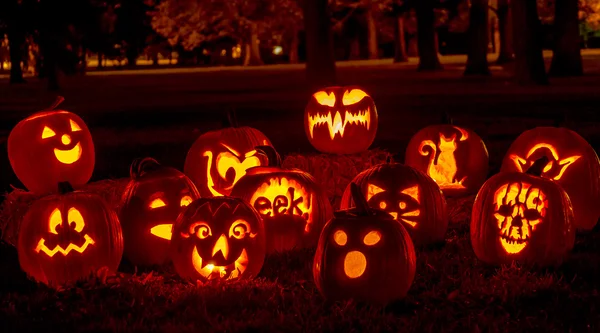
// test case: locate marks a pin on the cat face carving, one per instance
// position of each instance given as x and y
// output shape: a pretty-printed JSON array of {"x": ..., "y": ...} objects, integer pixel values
[{"x": 403, "y": 205}]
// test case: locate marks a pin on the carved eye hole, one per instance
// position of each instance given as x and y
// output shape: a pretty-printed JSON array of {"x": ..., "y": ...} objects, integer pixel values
[
  {"x": 353, "y": 96},
  {"x": 402, "y": 205},
  {"x": 200, "y": 229},
  {"x": 372, "y": 238},
  {"x": 239, "y": 229},
  {"x": 74, "y": 126},
  {"x": 75, "y": 217},
  {"x": 340, "y": 237},
  {"x": 324, "y": 98},
  {"x": 47, "y": 133},
  {"x": 382, "y": 205},
  {"x": 157, "y": 203},
  {"x": 54, "y": 221},
  {"x": 185, "y": 201}
]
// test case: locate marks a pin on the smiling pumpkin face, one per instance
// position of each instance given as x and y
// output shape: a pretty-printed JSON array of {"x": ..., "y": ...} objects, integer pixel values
[
  {"x": 218, "y": 238},
  {"x": 51, "y": 147}
]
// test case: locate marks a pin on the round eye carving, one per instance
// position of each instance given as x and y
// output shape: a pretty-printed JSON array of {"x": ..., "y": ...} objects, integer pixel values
[
  {"x": 74, "y": 216},
  {"x": 200, "y": 229},
  {"x": 47, "y": 132},
  {"x": 239, "y": 229},
  {"x": 402, "y": 205},
  {"x": 54, "y": 221},
  {"x": 382, "y": 205},
  {"x": 185, "y": 201},
  {"x": 372, "y": 238},
  {"x": 340, "y": 238},
  {"x": 157, "y": 203}
]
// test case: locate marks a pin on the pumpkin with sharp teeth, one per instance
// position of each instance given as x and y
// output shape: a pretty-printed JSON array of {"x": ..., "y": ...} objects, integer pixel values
[
  {"x": 522, "y": 217},
  {"x": 150, "y": 204},
  {"x": 573, "y": 164},
  {"x": 341, "y": 120},
  {"x": 67, "y": 236},
  {"x": 408, "y": 195},
  {"x": 364, "y": 254},
  {"x": 218, "y": 159},
  {"x": 49, "y": 147},
  {"x": 218, "y": 238}
]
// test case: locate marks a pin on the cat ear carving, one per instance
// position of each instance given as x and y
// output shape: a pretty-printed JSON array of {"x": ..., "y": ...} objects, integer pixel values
[{"x": 373, "y": 190}]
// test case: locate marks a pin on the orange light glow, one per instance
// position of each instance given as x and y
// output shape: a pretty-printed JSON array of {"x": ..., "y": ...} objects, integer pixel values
[
  {"x": 157, "y": 203},
  {"x": 337, "y": 125},
  {"x": 340, "y": 237},
  {"x": 65, "y": 139},
  {"x": 58, "y": 249},
  {"x": 68, "y": 156},
  {"x": 221, "y": 246},
  {"x": 229, "y": 160},
  {"x": 353, "y": 96},
  {"x": 559, "y": 165},
  {"x": 443, "y": 169},
  {"x": 47, "y": 132},
  {"x": 162, "y": 231},
  {"x": 324, "y": 98},
  {"x": 239, "y": 229},
  {"x": 372, "y": 190},
  {"x": 372, "y": 238},
  {"x": 54, "y": 221},
  {"x": 355, "y": 264},
  {"x": 74, "y": 216},
  {"x": 211, "y": 271},
  {"x": 74, "y": 126},
  {"x": 282, "y": 196},
  {"x": 185, "y": 201}
]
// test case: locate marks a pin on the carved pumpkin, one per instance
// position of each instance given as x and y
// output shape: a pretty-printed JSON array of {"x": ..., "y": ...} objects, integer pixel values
[
  {"x": 408, "y": 195},
  {"x": 573, "y": 164},
  {"x": 292, "y": 205},
  {"x": 364, "y": 254},
  {"x": 522, "y": 217},
  {"x": 49, "y": 147},
  {"x": 218, "y": 159},
  {"x": 150, "y": 204},
  {"x": 65, "y": 237},
  {"x": 456, "y": 158},
  {"x": 218, "y": 238},
  {"x": 341, "y": 120}
]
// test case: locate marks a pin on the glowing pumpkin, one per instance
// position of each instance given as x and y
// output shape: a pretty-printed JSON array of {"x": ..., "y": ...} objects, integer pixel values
[
  {"x": 291, "y": 203},
  {"x": 218, "y": 238},
  {"x": 150, "y": 204},
  {"x": 49, "y": 147},
  {"x": 522, "y": 217},
  {"x": 408, "y": 195},
  {"x": 65, "y": 237},
  {"x": 364, "y": 254},
  {"x": 456, "y": 158},
  {"x": 218, "y": 159},
  {"x": 341, "y": 120},
  {"x": 573, "y": 164}
]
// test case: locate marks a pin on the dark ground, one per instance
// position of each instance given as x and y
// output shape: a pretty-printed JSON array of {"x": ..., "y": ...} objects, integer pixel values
[{"x": 161, "y": 115}]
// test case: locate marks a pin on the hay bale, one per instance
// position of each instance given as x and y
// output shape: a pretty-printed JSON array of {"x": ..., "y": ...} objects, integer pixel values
[
  {"x": 17, "y": 202},
  {"x": 459, "y": 209},
  {"x": 335, "y": 172}
]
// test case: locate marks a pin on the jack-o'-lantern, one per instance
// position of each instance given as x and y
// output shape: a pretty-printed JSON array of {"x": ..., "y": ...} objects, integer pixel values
[
  {"x": 522, "y": 217},
  {"x": 408, "y": 195},
  {"x": 218, "y": 238},
  {"x": 341, "y": 120},
  {"x": 573, "y": 164},
  {"x": 293, "y": 206},
  {"x": 67, "y": 236},
  {"x": 49, "y": 147},
  {"x": 364, "y": 254},
  {"x": 218, "y": 159},
  {"x": 456, "y": 158},
  {"x": 150, "y": 204}
]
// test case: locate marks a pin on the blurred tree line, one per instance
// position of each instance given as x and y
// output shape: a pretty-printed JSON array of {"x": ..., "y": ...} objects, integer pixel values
[{"x": 47, "y": 36}]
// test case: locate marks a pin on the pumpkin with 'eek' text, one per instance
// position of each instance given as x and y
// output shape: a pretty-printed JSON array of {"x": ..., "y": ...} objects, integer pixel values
[
  {"x": 218, "y": 159},
  {"x": 150, "y": 204},
  {"x": 365, "y": 255},
  {"x": 68, "y": 236},
  {"x": 522, "y": 217},
  {"x": 341, "y": 120},
  {"x": 408, "y": 195},
  {"x": 573, "y": 164},
  {"x": 49, "y": 147},
  {"x": 293, "y": 206},
  {"x": 218, "y": 238}
]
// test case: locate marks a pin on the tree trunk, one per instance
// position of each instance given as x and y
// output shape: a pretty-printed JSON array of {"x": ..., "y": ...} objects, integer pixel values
[
  {"x": 16, "y": 39},
  {"x": 252, "y": 57},
  {"x": 566, "y": 57},
  {"x": 400, "y": 40},
  {"x": 99, "y": 60},
  {"x": 426, "y": 37},
  {"x": 320, "y": 62},
  {"x": 529, "y": 60},
  {"x": 372, "y": 34},
  {"x": 507, "y": 53},
  {"x": 49, "y": 50},
  {"x": 83, "y": 60},
  {"x": 293, "y": 55},
  {"x": 131, "y": 53},
  {"x": 478, "y": 39}
]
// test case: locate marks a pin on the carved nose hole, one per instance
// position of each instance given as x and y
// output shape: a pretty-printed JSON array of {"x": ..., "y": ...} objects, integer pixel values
[{"x": 517, "y": 222}]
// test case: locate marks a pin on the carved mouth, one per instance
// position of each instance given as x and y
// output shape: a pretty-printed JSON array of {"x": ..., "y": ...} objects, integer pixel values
[
  {"x": 210, "y": 271},
  {"x": 355, "y": 264},
  {"x": 58, "y": 249},
  {"x": 68, "y": 156},
  {"x": 512, "y": 245},
  {"x": 337, "y": 124}
]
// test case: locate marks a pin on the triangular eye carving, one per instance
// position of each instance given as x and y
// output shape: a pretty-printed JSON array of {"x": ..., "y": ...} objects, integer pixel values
[
  {"x": 74, "y": 126},
  {"x": 47, "y": 132}
]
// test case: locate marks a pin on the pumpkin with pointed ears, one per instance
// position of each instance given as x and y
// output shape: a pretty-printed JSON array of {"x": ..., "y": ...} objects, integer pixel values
[
  {"x": 67, "y": 236},
  {"x": 218, "y": 238},
  {"x": 49, "y": 147},
  {"x": 364, "y": 254},
  {"x": 150, "y": 204},
  {"x": 218, "y": 159},
  {"x": 292, "y": 205},
  {"x": 341, "y": 120},
  {"x": 455, "y": 157},
  {"x": 522, "y": 217},
  {"x": 408, "y": 195},
  {"x": 573, "y": 164}
]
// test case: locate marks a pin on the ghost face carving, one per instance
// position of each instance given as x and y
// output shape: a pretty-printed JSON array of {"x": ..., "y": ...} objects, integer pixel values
[
  {"x": 218, "y": 238},
  {"x": 51, "y": 147},
  {"x": 341, "y": 120}
]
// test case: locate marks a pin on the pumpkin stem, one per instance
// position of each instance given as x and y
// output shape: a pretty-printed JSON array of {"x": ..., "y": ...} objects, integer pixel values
[
  {"x": 65, "y": 187},
  {"x": 274, "y": 160},
  {"x": 59, "y": 99},
  {"x": 389, "y": 159},
  {"x": 447, "y": 119},
  {"x": 538, "y": 166},
  {"x": 142, "y": 165},
  {"x": 360, "y": 202},
  {"x": 230, "y": 119}
]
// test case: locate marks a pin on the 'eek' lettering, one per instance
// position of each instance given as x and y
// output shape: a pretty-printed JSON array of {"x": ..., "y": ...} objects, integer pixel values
[{"x": 287, "y": 203}]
